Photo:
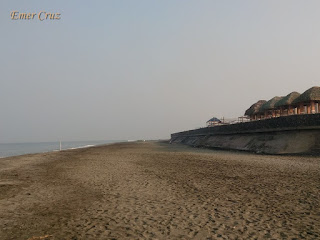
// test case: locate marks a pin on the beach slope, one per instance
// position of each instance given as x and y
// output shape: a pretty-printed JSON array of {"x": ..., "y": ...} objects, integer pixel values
[{"x": 153, "y": 190}]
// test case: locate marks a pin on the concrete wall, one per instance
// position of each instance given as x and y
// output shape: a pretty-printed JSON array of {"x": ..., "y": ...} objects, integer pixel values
[{"x": 283, "y": 135}]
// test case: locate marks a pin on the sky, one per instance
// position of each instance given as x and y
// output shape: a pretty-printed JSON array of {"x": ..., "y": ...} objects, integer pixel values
[{"x": 143, "y": 69}]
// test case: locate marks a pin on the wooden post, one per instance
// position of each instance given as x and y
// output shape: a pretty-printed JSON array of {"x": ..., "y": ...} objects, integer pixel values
[
  {"x": 301, "y": 107},
  {"x": 313, "y": 110}
]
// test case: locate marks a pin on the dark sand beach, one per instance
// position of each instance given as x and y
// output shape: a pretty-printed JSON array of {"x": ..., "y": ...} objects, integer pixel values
[{"x": 152, "y": 190}]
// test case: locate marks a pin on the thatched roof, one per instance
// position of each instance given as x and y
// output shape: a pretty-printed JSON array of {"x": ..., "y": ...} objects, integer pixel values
[
  {"x": 214, "y": 119},
  {"x": 254, "y": 108},
  {"x": 270, "y": 104},
  {"x": 287, "y": 100},
  {"x": 312, "y": 94}
]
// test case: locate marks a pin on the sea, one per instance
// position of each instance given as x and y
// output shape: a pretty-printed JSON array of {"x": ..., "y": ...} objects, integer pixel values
[{"x": 15, "y": 149}]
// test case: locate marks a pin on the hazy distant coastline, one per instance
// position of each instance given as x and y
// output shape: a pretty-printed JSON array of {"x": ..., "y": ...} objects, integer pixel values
[{"x": 16, "y": 149}]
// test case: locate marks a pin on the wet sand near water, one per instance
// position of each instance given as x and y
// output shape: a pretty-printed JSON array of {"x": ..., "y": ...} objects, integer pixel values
[{"x": 152, "y": 190}]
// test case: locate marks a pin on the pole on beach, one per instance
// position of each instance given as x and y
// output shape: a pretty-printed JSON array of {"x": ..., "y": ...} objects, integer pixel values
[{"x": 60, "y": 145}]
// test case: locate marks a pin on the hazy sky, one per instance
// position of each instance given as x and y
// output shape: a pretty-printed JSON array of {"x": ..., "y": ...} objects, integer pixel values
[{"x": 142, "y": 69}]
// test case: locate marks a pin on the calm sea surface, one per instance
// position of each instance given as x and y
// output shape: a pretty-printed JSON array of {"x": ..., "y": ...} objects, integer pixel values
[{"x": 14, "y": 149}]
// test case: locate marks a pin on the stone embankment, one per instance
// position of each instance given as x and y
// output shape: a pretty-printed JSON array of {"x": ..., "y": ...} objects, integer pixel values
[{"x": 296, "y": 134}]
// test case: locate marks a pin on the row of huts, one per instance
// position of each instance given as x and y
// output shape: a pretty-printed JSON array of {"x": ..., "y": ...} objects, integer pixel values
[{"x": 294, "y": 103}]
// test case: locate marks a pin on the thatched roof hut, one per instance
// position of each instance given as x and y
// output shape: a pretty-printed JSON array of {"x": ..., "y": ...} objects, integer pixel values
[
  {"x": 287, "y": 100},
  {"x": 270, "y": 104},
  {"x": 312, "y": 94},
  {"x": 254, "y": 108}
]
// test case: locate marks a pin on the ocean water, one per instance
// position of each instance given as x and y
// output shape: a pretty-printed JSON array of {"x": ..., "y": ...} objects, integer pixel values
[{"x": 14, "y": 149}]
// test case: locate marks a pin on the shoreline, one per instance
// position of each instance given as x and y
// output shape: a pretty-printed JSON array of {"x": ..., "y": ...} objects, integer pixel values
[
  {"x": 154, "y": 190},
  {"x": 57, "y": 150}
]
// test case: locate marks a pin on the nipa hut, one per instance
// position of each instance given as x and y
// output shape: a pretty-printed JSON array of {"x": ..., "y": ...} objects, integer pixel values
[
  {"x": 285, "y": 104},
  {"x": 269, "y": 108},
  {"x": 253, "y": 111},
  {"x": 294, "y": 103},
  {"x": 308, "y": 102}
]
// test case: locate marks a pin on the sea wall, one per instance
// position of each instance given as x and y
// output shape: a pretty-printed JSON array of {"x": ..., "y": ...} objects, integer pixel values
[{"x": 282, "y": 135}]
